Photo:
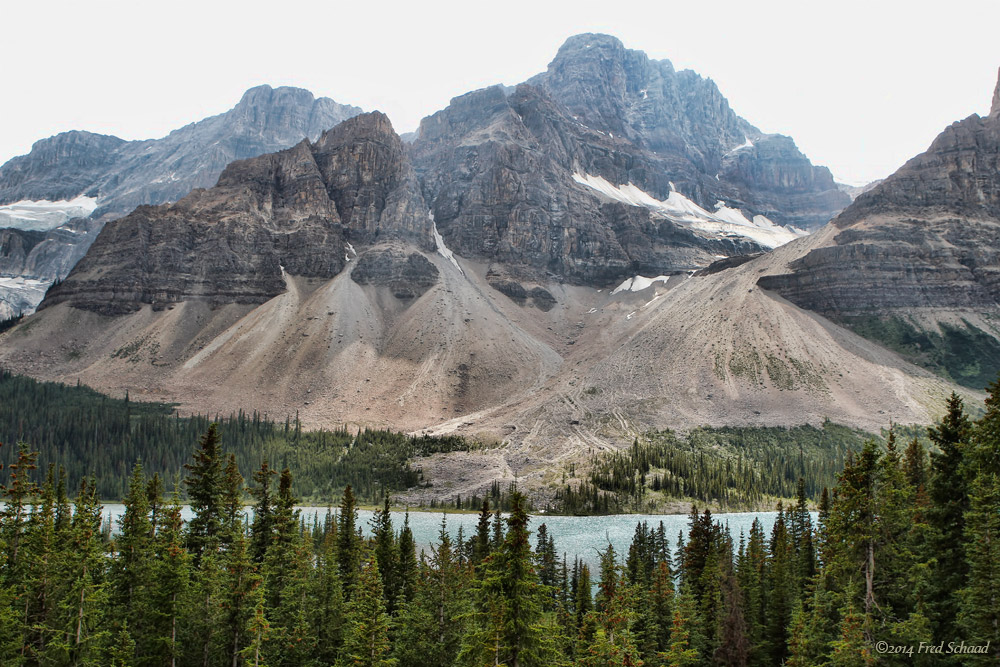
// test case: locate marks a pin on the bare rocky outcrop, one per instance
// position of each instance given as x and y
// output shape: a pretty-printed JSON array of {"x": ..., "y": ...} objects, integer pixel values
[
  {"x": 125, "y": 174},
  {"x": 915, "y": 262},
  {"x": 926, "y": 237},
  {"x": 498, "y": 171},
  {"x": 298, "y": 212},
  {"x": 406, "y": 274},
  {"x": 685, "y": 122}
]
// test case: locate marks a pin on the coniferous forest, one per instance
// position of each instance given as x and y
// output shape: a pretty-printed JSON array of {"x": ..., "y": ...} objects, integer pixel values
[
  {"x": 901, "y": 567},
  {"x": 87, "y": 433}
]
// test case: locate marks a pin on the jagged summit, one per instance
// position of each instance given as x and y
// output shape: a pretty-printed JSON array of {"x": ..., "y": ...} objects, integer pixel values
[{"x": 575, "y": 172}]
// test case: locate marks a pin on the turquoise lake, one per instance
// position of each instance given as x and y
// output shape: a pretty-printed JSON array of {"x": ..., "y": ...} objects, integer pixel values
[{"x": 576, "y": 536}]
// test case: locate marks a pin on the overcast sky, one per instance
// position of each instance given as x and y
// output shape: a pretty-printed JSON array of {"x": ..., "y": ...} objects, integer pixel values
[{"x": 860, "y": 86}]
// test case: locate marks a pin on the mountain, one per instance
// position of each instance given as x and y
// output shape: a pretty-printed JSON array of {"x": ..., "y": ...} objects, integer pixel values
[
  {"x": 514, "y": 274},
  {"x": 295, "y": 212},
  {"x": 315, "y": 281},
  {"x": 855, "y": 191},
  {"x": 685, "y": 121},
  {"x": 610, "y": 164},
  {"x": 915, "y": 262},
  {"x": 85, "y": 175}
]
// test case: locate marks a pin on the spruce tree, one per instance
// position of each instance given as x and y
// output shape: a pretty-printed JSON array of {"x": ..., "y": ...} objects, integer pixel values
[
  {"x": 205, "y": 486},
  {"x": 327, "y": 598},
  {"x": 84, "y": 603},
  {"x": 14, "y": 515},
  {"x": 366, "y": 632},
  {"x": 407, "y": 572},
  {"x": 41, "y": 588},
  {"x": 681, "y": 653},
  {"x": 239, "y": 600},
  {"x": 979, "y": 608},
  {"x": 132, "y": 567},
  {"x": 949, "y": 494},
  {"x": 263, "y": 511},
  {"x": 170, "y": 585},
  {"x": 506, "y": 624},
  {"x": 232, "y": 502},
  {"x": 387, "y": 554},
  {"x": 348, "y": 543},
  {"x": 481, "y": 545},
  {"x": 430, "y": 628}
]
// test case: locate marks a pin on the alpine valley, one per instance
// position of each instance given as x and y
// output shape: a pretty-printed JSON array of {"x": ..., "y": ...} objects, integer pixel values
[{"x": 551, "y": 269}]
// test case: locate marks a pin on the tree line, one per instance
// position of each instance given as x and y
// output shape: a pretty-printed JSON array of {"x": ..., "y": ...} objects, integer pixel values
[
  {"x": 85, "y": 432},
  {"x": 903, "y": 554},
  {"x": 733, "y": 467}
]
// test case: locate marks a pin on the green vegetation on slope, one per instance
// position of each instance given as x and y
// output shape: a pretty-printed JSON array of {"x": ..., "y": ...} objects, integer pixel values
[
  {"x": 965, "y": 355},
  {"x": 735, "y": 467},
  {"x": 87, "y": 432}
]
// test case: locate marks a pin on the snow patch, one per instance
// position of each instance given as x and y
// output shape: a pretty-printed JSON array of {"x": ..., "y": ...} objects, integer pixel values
[
  {"x": 441, "y": 247},
  {"x": 746, "y": 144},
  {"x": 723, "y": 222},
  {"x": 43, "y": 215},
  {"x": 638, "y": 283}
]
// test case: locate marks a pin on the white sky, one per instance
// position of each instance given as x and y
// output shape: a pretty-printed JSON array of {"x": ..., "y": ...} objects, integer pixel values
[{"x": 860, "y": 85}]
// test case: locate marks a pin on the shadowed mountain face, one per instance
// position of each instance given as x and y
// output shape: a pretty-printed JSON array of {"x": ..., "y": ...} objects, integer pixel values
[
  {"x": 498, "y": 164},
  {"x": 83, "y": 179},
  {"x": 298, "y": 211},
  {"x": 915, "y": 262}
]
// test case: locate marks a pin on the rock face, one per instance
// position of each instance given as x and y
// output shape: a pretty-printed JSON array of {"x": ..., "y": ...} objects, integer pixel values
[
  {"x": 407, "y": 274},
  {"x": 497, "y": 167},
  {"x": 60, "y": 167},
  {"x": 125, "y": 174},
  {"x": 297, "y": 212},
  {"x": 923, "y": 245},
  {"x": 926, "y": 237}
]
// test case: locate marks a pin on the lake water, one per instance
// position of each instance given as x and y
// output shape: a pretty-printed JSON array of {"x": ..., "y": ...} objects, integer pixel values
[{"x": 576, "y": 536}]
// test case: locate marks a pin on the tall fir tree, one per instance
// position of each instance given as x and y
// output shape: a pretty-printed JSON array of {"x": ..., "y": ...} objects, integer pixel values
[
  {"x": 132, "y": 568},
  {"x": 205, "y": 494},
  {"x": 348, "y": 543},
  {"x": 949, "y": 494},
  {"x": 366, "y": 632}
]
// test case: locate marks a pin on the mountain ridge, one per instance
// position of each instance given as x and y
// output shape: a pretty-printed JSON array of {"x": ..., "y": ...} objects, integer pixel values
[{"x": 120, "y": 175}]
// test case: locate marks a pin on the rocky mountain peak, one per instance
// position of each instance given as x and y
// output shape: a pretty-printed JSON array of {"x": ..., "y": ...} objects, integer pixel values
[
  {"x": 284, "y": 111},
  {"x": 59, "y": 167},
  {"x": 373, "y": 125},
  {"x": 307, "y": 211},
  {"x": 593, "y": 47},
  {"x": 264, "y": 95},
  {"x": 923, "y": 245}
]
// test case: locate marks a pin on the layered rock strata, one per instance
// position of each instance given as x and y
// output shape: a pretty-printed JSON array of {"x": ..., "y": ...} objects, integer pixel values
[{"x": 299, "y": 212}]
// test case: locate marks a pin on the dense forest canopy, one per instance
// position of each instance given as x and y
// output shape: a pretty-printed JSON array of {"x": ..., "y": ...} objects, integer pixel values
[
  {"x": 900, "y": 568},
  {"x": 88, "y": 433}
]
